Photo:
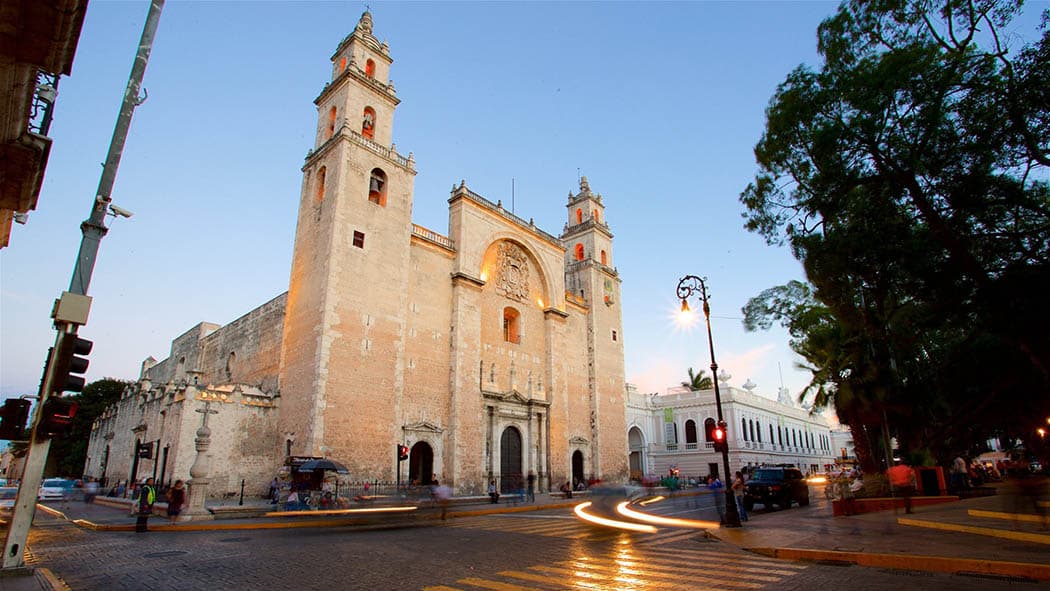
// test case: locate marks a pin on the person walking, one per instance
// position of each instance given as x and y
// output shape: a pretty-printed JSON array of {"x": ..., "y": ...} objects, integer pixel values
[
  {"x": 718, "y": 493},
  {"x": 902, "y": 479},
  {"x": 147, "y": 496},
  {"x": 532, "y": 487},
  {"x": 957, "y": 474},
  {"x": 176, "y": 499},
  {"x": 493, "y": 493},
  {"x": 738, "y": 493}
]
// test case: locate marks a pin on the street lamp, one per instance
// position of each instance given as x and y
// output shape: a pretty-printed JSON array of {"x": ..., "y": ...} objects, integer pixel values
[{"x": 688, "y": 286}]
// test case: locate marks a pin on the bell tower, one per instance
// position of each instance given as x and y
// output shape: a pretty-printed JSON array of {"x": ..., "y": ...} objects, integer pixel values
[
  {"x": 590, "y": 275},
  {"x": 341, "y": 375}
]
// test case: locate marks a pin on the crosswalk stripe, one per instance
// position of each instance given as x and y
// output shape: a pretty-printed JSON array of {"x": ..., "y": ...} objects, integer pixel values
[
  {"x": 556, "y": 582},
  {"x": 595, "y": 573},
  {"x": 657, "y": 565},
  {"x": 725, "y": 564},
  {"x": 693, "y": 554},
  {"x": 495, "y": 585},
  {"x": 663, "y": 539}
]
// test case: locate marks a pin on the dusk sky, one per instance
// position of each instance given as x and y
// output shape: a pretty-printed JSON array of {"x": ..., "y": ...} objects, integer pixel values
[{"x": 658, "y": 104}]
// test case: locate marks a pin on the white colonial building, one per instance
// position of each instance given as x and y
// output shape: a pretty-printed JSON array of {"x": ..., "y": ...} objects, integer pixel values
[{"x": 674, "y": 431}]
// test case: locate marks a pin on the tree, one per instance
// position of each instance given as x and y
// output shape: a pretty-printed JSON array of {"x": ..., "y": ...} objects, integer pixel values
[
  {"x": 698, "y": 381},
  {"x": 69, "y": 452},
  {"x": 908, "y": 175}
]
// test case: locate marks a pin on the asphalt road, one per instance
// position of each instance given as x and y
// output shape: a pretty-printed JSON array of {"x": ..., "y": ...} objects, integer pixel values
[{"x": 504, "y": 552}]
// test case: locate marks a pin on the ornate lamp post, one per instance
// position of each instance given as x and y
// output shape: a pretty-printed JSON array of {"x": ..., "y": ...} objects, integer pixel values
[{"x": 688, "y": 286}]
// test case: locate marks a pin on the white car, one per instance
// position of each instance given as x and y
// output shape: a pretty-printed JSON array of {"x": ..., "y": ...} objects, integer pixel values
[{"x": 55, "y": 489}]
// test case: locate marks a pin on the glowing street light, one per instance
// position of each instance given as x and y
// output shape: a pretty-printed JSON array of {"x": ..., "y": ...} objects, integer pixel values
[{"x": 689, "y": 286}]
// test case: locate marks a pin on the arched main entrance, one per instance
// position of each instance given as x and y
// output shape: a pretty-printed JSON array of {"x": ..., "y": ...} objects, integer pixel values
[
  {"x": 510, "y": 460},
  {"x": 636, "y": 442},
  {"x": 421, "y": 463},
  {"x": 577, "y": 467}
]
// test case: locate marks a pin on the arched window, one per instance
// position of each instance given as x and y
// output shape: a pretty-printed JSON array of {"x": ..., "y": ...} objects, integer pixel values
[
  {"x": 231, "y": 360},
  {"x": 709, "y": 430},
  {"x": 579, "y": 252},
  {"x": 771, "y": 438},
  {"x": 690, "y": 433},
  {"x": 377, "y": 187},
  {"x": 331, "y": 123},
  {"x": 511, "y": 325},
  {"x": 368, "y": 123},
  {"x": 780, "y": 436},
  {"x": 579, "y": 216},
  {"x": 605, "y": 260},
  {"x": 370, "y": 69},
  {"x": 596, "y": 220},
  {"x": 752, "y": 425},
  {"x": 758, "y": 430},
  {"x": 743, "y": 428},
  {"x": 319, "y": 192}
]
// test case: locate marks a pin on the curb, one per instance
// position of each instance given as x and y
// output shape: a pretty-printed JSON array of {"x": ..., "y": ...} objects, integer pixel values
[
  {"x": 48, "y": 580},
  {"x": 286, "y": 524},
  {"x": 1018, "y": 570},
  {"x": 981, "y": 531}
]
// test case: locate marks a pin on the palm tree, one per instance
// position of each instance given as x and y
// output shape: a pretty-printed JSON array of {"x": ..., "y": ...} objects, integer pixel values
[{"x": 698, "y": 381}]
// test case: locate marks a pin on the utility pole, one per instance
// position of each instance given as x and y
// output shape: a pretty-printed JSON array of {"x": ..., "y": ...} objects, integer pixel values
[{"x": 71, "y": 310}]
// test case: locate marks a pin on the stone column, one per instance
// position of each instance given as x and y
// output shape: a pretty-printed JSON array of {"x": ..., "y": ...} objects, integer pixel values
[{"x": 198, "y": 483}]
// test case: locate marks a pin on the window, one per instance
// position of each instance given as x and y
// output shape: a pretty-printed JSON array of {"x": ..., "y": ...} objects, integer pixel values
[
  {"x": 579, "y": 216},
  {"x": 370, "y": 69},
  {"x": 231, "y": 359},
  {"x": 771, "y": 438},
  {"x": 780, "y": 436},
  {"x": 614, "y": 336},
  {"x": 331, "y": 123},
  {"x": 579, "y": 252},
  {"x": 604, "y": 260},
  {"x": 511, "y": 325},
  {"x": 752, "y": 424},
  {"x": 690, "y": 434},
  {"x": 359, "y": 239},
  {"x": 342, "y": 64},
  {"x": 368, "y": 123},
  {"x": 758, "y": 429},
  {"x": 743, "y": 427},
  {"x": 377, "y": 187},
  {"x": 319, "y": 194},
  {"x": 596, "y": 216},
  {"x": 709, "y": 430}
]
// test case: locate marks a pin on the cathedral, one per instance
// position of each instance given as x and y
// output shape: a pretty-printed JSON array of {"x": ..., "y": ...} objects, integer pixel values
[{"x": 490, "y": 352}]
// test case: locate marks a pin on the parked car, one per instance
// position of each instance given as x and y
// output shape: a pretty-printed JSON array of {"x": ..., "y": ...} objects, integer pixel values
[
  {"x": 55, "y": 489},
  {"x": 7, "y": 500},
  {"x": 776, "y": 487}
]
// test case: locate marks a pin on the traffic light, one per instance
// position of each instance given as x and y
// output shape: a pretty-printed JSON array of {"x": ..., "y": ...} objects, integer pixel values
[
  {"x": 68, "y": 364},
  {"x": 56, "y": 416},
  {"x": 402, "y": 452},
  {"x": 13, "y": 419},
  {"x": 719, "y": 435}
]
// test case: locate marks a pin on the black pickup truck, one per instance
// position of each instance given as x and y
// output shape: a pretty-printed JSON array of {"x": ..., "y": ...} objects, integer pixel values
[{"x": 776, "y": 487}]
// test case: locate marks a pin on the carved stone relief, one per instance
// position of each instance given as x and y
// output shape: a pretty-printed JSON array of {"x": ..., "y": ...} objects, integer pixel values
[{"x": 512, "y": 274}]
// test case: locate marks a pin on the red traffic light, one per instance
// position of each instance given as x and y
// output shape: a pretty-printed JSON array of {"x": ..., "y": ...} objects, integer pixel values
[
  {"x": 402, "y": 452},
  {"x": 56, "y": 416},
  {"x": 719, "y": 435}
]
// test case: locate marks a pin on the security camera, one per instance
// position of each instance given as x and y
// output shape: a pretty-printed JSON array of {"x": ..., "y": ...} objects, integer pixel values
[{"x": 117, "y": 210}]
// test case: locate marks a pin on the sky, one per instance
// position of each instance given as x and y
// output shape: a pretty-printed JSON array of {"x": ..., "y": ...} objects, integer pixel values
[{"x": 658, "y": 104}]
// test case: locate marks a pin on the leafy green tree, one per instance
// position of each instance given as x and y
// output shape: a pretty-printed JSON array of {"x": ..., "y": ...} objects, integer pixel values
[
  {"x": 69, "y": 452},
  {"x": 909, "y": 175},
  {"x": 698, "y": 381}
]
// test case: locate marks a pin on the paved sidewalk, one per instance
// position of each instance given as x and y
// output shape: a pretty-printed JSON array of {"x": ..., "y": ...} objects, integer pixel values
[{"x": 952, "y": 537}]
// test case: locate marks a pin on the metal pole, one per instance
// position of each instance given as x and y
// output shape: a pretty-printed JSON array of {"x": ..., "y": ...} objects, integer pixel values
[
  {"x": 687, "y": 286},
  {"x": 241, "y": 502},
  {"x": 93, "y": 231},
  {"x": 92, "y": 228}
]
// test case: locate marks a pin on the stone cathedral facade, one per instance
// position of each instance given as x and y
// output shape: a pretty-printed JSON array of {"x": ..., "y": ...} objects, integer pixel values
[{"x": 492, "y": 352}]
